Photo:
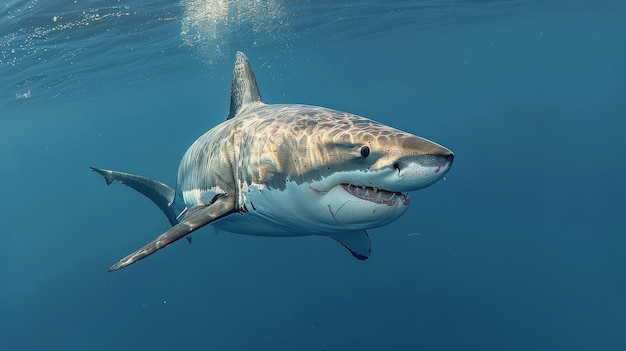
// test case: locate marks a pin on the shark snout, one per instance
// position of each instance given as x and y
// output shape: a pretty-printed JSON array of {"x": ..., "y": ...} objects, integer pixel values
[
  {"x": 417, "y": 171},
  {"x": 436, "y": 160},
  {"x": 426, "y": 153}
]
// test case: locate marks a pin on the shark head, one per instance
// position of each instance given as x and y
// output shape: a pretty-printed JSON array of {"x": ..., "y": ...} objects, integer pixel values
[
  {"x": 370, "y": 187},
  {"x": 375, "y": 167},
  {"x": 364, "y": 153},
  {"x": 341, "y": 171}
]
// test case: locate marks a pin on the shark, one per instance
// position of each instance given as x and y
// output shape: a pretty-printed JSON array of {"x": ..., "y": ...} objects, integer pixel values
[{"x": 289, "y": 170}]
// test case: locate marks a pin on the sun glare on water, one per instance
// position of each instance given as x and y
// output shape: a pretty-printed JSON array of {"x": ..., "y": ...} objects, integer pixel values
[{"x": 214, "y": 27}]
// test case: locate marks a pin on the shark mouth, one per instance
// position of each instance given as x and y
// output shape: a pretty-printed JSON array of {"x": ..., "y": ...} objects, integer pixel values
[{"x": 375, "y": 195}]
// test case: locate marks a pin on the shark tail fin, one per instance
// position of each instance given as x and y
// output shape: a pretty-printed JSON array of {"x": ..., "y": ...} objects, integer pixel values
[
  {"x": 244, "y": 90},
  {"x": 161, "y": 194}
]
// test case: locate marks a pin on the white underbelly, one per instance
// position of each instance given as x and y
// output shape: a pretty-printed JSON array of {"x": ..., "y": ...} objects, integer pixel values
[
  {"x": 301, "y": 209},
  {"x": 251, "y": 223},
  {"x": 275, "y": 213}
]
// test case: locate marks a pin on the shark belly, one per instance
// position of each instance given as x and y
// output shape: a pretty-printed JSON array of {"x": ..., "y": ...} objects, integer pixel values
[{"x": 274, "y": 212}]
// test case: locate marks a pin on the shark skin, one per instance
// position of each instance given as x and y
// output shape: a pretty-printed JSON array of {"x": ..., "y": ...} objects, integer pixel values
[{"x": 290, "y": 170}]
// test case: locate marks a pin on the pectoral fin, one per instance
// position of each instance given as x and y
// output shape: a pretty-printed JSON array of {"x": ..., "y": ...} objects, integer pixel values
[
  {"x": 358, "y": 243},
  {"x": 197, "y": 217}
]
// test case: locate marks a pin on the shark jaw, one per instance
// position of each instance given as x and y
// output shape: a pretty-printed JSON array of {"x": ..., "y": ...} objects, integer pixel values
[
  {"x": 358, "y": 207},
  {"x": 375, "y": 195},
  {"x": 362, "y": 200}
]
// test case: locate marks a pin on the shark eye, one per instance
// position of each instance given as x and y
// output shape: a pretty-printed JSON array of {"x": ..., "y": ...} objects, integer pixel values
[{"x": 365, "y": 151}]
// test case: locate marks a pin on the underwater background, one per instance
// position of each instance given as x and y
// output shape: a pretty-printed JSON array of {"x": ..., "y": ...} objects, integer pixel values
[{"x": 522, "y": 247}]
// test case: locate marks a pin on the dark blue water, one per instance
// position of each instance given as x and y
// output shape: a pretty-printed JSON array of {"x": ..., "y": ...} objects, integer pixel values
[{"x": 523, "y": 247}]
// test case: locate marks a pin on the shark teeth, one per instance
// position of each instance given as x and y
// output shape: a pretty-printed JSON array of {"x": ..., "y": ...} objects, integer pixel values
[{"x": 376, "y": 195}]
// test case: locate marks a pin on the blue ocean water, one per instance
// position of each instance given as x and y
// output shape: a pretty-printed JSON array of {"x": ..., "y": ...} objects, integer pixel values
[{"x": 522, "y": 247}]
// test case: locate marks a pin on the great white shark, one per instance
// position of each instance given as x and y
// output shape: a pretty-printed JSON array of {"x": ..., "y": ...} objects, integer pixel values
[{"x": 290, "y": 170}]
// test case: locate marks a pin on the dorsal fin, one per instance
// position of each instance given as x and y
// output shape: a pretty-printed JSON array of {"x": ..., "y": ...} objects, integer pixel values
[{"x": 244, "y": 90}]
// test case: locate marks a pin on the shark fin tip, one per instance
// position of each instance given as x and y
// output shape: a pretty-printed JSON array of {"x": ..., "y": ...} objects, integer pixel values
[
  {"x": 105, "y": 173},
  {"x": 244, "y": 89},
  {"x": 358, "y": 243}
]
